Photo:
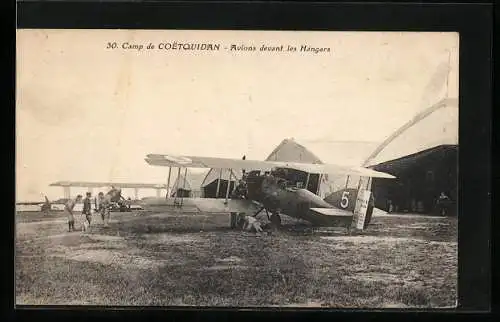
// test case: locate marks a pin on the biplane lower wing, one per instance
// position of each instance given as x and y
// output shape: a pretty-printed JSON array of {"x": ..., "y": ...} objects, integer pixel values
[
  {"x": 237, "y": 164},
  {"x": 206, "y": 205},
  {"x": 212, "y": 205}
]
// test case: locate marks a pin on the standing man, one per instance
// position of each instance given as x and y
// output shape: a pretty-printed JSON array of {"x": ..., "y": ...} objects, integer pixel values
[
  {"x": 99, "y": 204},
  {"x": 443, "y": 204},
  {"x": 68, "y": 209},
  {"x": 87, "y": 212}
]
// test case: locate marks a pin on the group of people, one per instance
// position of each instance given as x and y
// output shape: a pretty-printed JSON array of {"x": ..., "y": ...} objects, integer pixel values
[
  {"x": 102, "y": 206},
  {"x": 442, "y": 205}
]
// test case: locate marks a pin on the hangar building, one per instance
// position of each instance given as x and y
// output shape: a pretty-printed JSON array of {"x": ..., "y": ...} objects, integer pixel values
[{"x": 423, "y": 155}]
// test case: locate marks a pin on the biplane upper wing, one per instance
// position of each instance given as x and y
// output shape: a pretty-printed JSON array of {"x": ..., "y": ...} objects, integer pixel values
[
  {"x": 238, "y": 164},
  {"x": 90, "y": 184},
  {"x": 212, "y": 205}
]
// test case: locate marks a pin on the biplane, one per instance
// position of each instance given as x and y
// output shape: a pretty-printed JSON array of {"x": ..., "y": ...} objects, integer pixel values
[
  {"x": 277, "y": 188},
  {"x": 44, "y": 206}
]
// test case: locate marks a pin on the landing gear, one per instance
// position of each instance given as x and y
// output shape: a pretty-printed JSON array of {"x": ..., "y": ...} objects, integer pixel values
[
  {"x": 234, "y": 220},
  {"x": 259, "y": 211},
  {"x": 275, "y": 220},
  {"x": 237, "y": 220}
]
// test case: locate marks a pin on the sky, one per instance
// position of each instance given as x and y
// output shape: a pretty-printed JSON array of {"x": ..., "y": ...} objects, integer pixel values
[{"x": 88, "y": 113}]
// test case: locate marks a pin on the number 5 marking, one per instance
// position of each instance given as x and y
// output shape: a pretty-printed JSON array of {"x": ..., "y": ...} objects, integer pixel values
[{"x": 345, "y": 201}]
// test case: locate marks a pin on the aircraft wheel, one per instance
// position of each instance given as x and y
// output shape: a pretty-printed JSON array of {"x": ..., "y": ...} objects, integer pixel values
[{"x": 276, "y": 220}]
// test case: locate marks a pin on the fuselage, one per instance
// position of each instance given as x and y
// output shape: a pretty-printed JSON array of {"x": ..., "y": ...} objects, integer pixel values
[{"x": 277, "y": 197}]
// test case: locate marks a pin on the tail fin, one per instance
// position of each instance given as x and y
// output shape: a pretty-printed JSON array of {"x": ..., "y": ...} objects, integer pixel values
[{"x": 344, "y": 199}]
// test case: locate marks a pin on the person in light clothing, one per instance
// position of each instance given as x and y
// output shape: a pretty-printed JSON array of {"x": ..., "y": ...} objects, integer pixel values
[
  {"x": 251, "y": 224},
  {"x": 99, "y": 204},
  {"x": 68, "y": 209}
]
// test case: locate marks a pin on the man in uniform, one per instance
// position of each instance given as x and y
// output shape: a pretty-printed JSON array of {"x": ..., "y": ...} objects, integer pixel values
[
  {"x": 240, "y": 191},
  {"x": 87, "y": 212},
  {"x": 68, "y": 209},
  {"x": 99, "y": 204},
  {"x": 443, "y": 203}
]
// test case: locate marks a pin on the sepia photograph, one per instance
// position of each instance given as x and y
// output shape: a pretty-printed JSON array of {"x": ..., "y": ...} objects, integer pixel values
[{"x": 224, "y": 168}]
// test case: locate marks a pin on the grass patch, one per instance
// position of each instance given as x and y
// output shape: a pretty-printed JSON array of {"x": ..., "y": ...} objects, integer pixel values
[{"x": 204, "y": 263}]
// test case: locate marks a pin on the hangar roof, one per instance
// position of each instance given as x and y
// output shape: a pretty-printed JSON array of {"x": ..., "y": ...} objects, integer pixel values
[
  {"x": 399, "y": 166},
  {"x": 323, "y": 151},
  {"x": 434, "y": 126}
]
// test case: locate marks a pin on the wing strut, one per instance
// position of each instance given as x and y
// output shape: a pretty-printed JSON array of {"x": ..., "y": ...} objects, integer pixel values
[
  {"x": 183, "y": 186},
  {"x": 67, "y": 192},
  {"x": 320, "y": 179},
  {"x": 177, "y": 185},
  {"x": 168, "y": 181},
  {"x": 218, "y": 184},
  {"x": 228, "y": 185}
]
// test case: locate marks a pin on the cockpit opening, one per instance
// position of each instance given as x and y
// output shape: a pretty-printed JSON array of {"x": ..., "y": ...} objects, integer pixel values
[
  {"x": 284, "y": 177},
  {"x": 298, "y": 179}
]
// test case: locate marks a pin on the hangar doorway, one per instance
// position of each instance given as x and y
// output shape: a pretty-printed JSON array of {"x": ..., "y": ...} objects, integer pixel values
[{"x": 421, "y": 177}]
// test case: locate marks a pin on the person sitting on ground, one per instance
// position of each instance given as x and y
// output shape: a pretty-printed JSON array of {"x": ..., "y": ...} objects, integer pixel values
[
  {"x": 87, "y": 211},
  {"x": 251, "y": 224},
  {"x": 68, "y": 209}
]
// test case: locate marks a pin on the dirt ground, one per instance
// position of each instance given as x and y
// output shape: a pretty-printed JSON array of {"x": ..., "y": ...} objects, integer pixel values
[{"x": 192, "y": 259}]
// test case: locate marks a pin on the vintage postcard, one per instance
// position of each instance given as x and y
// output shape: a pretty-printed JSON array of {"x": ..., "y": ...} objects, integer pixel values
[{"x": 236, "y": 168}]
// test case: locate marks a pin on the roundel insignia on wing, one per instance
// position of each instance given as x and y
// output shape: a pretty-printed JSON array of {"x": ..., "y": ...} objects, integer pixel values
[{"x": 181, "y": 160}]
